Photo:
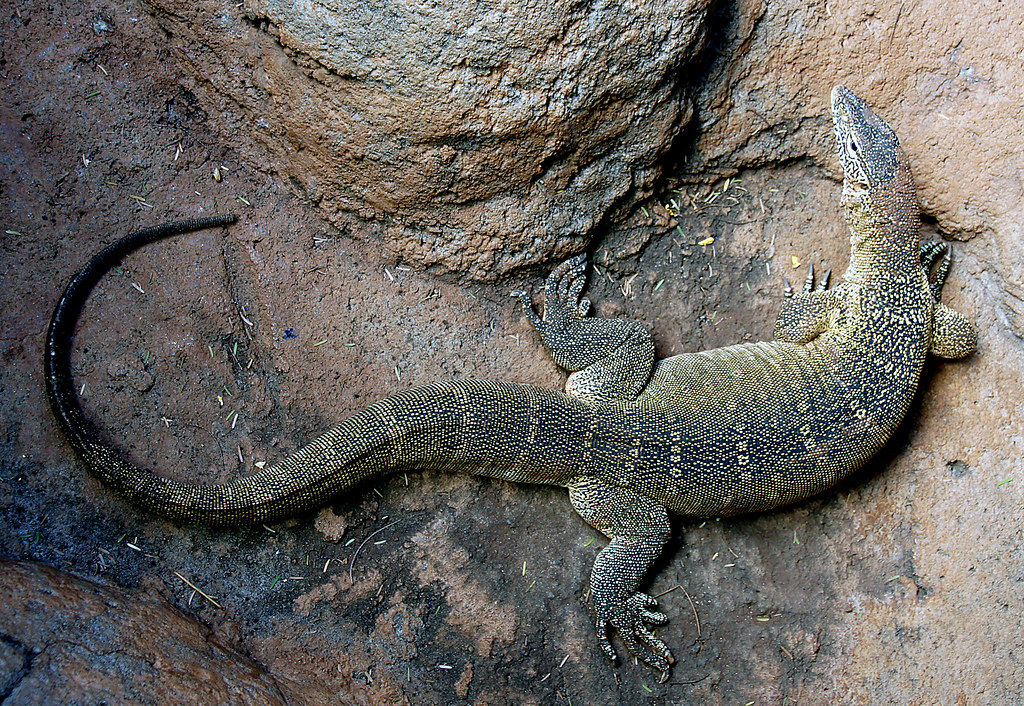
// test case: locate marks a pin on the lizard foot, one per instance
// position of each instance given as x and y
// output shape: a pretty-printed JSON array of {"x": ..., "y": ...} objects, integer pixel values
[
  {"x": 930, "y": 253},
  {"x": 809, "y": 283},
  {"x": 631, "y": 618},
  {"x": 562, "y": 303}
]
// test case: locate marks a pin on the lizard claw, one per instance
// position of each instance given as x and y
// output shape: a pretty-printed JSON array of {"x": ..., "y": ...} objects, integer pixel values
[
  {"x": 809, "y": 282},
  {"x": 809, "y": 285},
  {"x": 630, "y": 619}
]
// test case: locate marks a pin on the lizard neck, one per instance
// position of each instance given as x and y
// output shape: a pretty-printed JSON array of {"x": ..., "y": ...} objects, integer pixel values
[{"x": 885, "y": 226}]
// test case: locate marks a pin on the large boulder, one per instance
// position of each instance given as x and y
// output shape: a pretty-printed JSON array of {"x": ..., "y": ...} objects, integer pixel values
[{"x": 477, "y": 137}]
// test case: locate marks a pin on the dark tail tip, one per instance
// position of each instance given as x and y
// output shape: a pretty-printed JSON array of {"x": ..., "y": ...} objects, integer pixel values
[{"x": 57, "y": 363}]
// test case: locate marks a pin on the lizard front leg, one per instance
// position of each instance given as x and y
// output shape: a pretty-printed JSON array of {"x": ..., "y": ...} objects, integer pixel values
[
  {"x": 953, "y": 336},
  {"x": 638, "y": 528},
  {"x": 610, "y": 359}
]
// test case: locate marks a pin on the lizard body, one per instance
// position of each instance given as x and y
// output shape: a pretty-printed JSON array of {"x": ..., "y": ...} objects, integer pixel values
[{"x": 714, "y": 433}]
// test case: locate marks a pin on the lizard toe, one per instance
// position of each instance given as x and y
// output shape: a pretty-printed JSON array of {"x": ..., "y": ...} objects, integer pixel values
[
  {"x": 527, "y": 301},
  {"x": 631, "y": 618},
  {"x": 809, "y": 282},
  {"x": 571, "y": 283},
  {"x": 605, "y": 642},
  {"x": 931, "y": 251},
  {"x": 942, "y": 272},
  {"x": 554, "y": 280},
  {"x": 576, "y": 286}
]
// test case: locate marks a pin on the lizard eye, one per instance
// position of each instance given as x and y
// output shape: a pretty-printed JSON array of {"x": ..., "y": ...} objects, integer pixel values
[{"x": 853, "y": 146}]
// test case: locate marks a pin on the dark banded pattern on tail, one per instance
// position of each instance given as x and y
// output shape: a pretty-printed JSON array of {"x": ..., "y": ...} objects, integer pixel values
[{"x": 504, "y": 430}]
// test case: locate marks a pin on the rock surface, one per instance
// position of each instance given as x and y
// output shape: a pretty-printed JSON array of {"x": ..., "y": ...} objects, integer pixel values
[
  {"x": 902, "y": 586},
  {"x": 102, "y": 644},
  {"x": 477, "y": 138}
]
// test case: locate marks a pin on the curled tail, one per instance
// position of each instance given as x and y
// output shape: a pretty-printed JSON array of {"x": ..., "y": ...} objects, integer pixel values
[{"x": 504, "y": 430}]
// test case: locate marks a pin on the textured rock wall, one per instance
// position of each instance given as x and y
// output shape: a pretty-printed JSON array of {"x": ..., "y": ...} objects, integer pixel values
[{"x": 478, "y": 137}]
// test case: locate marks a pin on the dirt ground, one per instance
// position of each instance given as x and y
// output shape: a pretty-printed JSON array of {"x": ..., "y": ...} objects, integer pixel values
[{"x": 210, "y": 354}]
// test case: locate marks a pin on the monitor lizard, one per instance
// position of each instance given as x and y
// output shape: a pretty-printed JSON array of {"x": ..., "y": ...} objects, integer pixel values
[{"x": 715, "y": 433}]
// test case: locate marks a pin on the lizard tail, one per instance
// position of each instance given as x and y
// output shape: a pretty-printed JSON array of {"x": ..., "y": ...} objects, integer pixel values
[{"x": 504, "y": 430}]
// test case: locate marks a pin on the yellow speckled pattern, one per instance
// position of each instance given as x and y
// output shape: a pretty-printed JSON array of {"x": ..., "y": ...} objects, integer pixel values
[{"x": 720, "y": 432}]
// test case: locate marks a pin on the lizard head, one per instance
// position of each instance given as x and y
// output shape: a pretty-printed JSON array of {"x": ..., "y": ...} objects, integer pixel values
[
  {"x": 869, "y": 150},
  {"x": 879, "y": 196}
]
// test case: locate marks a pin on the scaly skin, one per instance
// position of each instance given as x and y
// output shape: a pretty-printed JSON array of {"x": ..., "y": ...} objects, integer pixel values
[{"x": 734, "y": 430}]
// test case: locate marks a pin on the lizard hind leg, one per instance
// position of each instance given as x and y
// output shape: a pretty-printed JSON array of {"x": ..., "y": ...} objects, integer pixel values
[
  {"x": 610, "y": 359},
  {"x": 638, "y": 528}
]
